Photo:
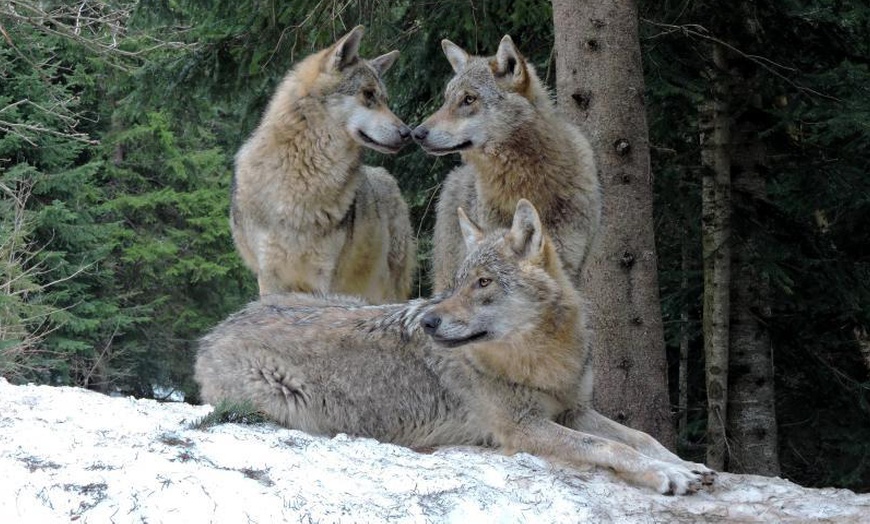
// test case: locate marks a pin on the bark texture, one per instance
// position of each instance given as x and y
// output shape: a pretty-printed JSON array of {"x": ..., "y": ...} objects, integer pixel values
[
  {"x": 752, "y": 429},
  {"x": 683, "y": 402},
  {"x": 862, "y": 337},
  {"x": 715, "y": 131},
  {"x": 600, "y": 88}
]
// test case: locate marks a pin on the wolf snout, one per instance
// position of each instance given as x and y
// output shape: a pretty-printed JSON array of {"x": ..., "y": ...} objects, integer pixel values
[
  {"x": 405, "y": 132},
  {"x": 430, "y": 323},
  {"x": 420, "y": 133}
]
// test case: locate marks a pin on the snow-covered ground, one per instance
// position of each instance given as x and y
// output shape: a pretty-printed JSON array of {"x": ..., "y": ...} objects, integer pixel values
[{"x": 70, "y": 455}]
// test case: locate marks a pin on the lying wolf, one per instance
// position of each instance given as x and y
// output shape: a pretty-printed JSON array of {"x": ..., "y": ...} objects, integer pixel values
[
  {"x": 306, "y": 215},
  {"x": 502, "y": 359},
  {"x": 501, "y": 119}
]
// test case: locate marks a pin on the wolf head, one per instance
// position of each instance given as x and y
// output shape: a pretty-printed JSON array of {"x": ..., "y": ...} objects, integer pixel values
[
  {"x": 508, "y": 282},
  {"x": 352, "y": 93},
  {"x": 484, "y": 103}
]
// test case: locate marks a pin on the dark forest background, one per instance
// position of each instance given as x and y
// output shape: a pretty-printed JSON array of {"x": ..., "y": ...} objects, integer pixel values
[{"x": 119, "y": 121}]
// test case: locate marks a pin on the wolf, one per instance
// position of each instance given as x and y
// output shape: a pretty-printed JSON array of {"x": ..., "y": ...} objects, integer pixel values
[
  {"x": 501, "y": 120},
  {"x": 306, "y": 215},
  {"x": 501, "y": 359}
]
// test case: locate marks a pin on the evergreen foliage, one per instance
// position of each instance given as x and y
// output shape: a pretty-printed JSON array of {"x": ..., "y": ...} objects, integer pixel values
[
  {"x": 52, "y": 243},
  {"x": 119, "y": 122},
  {"x": 230, "y": 413}
]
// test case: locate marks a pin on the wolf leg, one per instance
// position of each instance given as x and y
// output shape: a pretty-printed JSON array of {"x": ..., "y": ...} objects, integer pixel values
[
  {"x": 549, "y": 439},
  {"x": 307, "y": 269},
  {"x": 231, "y": 369},
  {"x": 448, "y": 247},
  {"x": 390, "y": 208},
  {"x": 590, "y": 421}
]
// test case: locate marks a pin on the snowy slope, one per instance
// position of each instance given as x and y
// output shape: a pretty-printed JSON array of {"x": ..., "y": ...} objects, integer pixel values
[{"x": 68, "y": 454}]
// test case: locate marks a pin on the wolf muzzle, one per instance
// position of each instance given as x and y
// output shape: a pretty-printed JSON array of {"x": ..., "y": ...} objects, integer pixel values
[{"x": 430, "y": 323}]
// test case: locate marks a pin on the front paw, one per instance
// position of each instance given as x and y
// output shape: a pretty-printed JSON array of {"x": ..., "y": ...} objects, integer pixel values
[
  {"x": 670, "y": 479},
  {"x": 708, "y": 476}
]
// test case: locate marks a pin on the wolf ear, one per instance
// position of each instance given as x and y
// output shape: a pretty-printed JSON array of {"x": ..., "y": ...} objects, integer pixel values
[
  {"x": 384, "y": 62},
  {"x": 470, "y": 232},
  {"x": 527, "y": 234},
  {"x": 455, "y": 55},
  {"x": 509, "y": 62},
  {"x": 345, "y": 51}
]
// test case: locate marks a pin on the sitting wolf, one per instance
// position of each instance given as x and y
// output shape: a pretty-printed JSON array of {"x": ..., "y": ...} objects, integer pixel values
[
  {"x": 500, "y": 118},
  {"x": 502, "y": 359},
  {"x": 306, "y": 215}
]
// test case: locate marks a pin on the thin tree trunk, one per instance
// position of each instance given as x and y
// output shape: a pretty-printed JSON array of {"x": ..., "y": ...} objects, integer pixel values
[
  {"x": 716, "y": 239},
  {"x": 751, "y": 405},
  {"x": 862, "y": 337},
  {"x": 600, "y": 88},
  {"x": 683, "y": 382}
]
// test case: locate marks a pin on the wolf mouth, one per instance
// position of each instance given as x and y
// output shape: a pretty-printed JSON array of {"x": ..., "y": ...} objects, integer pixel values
[
  {"x": 375, "y": 144},
  {"x": 451, "y": 149},
  {"x": 456, "y": 342}
]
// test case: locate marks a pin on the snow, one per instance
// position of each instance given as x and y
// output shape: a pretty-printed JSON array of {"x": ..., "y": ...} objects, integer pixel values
[{"x": 68, "y": 454}]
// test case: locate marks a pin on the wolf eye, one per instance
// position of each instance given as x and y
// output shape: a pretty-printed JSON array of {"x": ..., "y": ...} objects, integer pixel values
[
  {"x": 483, "y": 281},
  {"x": 369, "y": 95},
  {"x": 468, "y": 100}
]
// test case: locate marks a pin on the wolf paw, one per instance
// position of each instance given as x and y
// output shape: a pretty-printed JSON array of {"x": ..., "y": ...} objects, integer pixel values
[
  {"x": 671, "y": 479},
  {"x": 708, "y": 476}
]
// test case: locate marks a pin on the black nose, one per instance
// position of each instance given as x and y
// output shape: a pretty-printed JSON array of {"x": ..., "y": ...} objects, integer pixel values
[
  {"x": 430, "y": 323},
  {"x": 405, "y": 132},
  {"x": 420, "y": 133}
]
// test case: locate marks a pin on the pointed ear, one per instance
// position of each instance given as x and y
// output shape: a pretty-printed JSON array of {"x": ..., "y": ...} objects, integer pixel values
[
  {"x": 455, "y": 54},
  {"x": 509, "y": 62},
  {"x": 345, "y": 51},
  {"x": 527, "y": 233},
  {"x": 384, "y": 62},
  {"x": 470, "y": 232}
]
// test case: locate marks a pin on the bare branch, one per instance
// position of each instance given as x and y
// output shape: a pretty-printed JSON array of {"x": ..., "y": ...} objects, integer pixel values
[
  {"x": 18, "y": 128},
  {"x": 699, "y": 31},
  {"x": 102, "y": 23},
  {"x": 104, "y": 357}
]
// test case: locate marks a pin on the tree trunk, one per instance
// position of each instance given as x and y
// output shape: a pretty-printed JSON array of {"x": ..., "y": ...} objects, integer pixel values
[
  {"x": 751, "y": 407},
  {"x": 862, "y": 337},
  {"x": 683, "y": 382},
  {"x": 600, "y": 88},
  {"x": 716, "y": 237}
]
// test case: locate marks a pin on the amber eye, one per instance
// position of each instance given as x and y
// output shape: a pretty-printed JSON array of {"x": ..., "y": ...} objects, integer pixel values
[
  {"x": 483, "y": 282},
  {"x": 468, "y": 100}
]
